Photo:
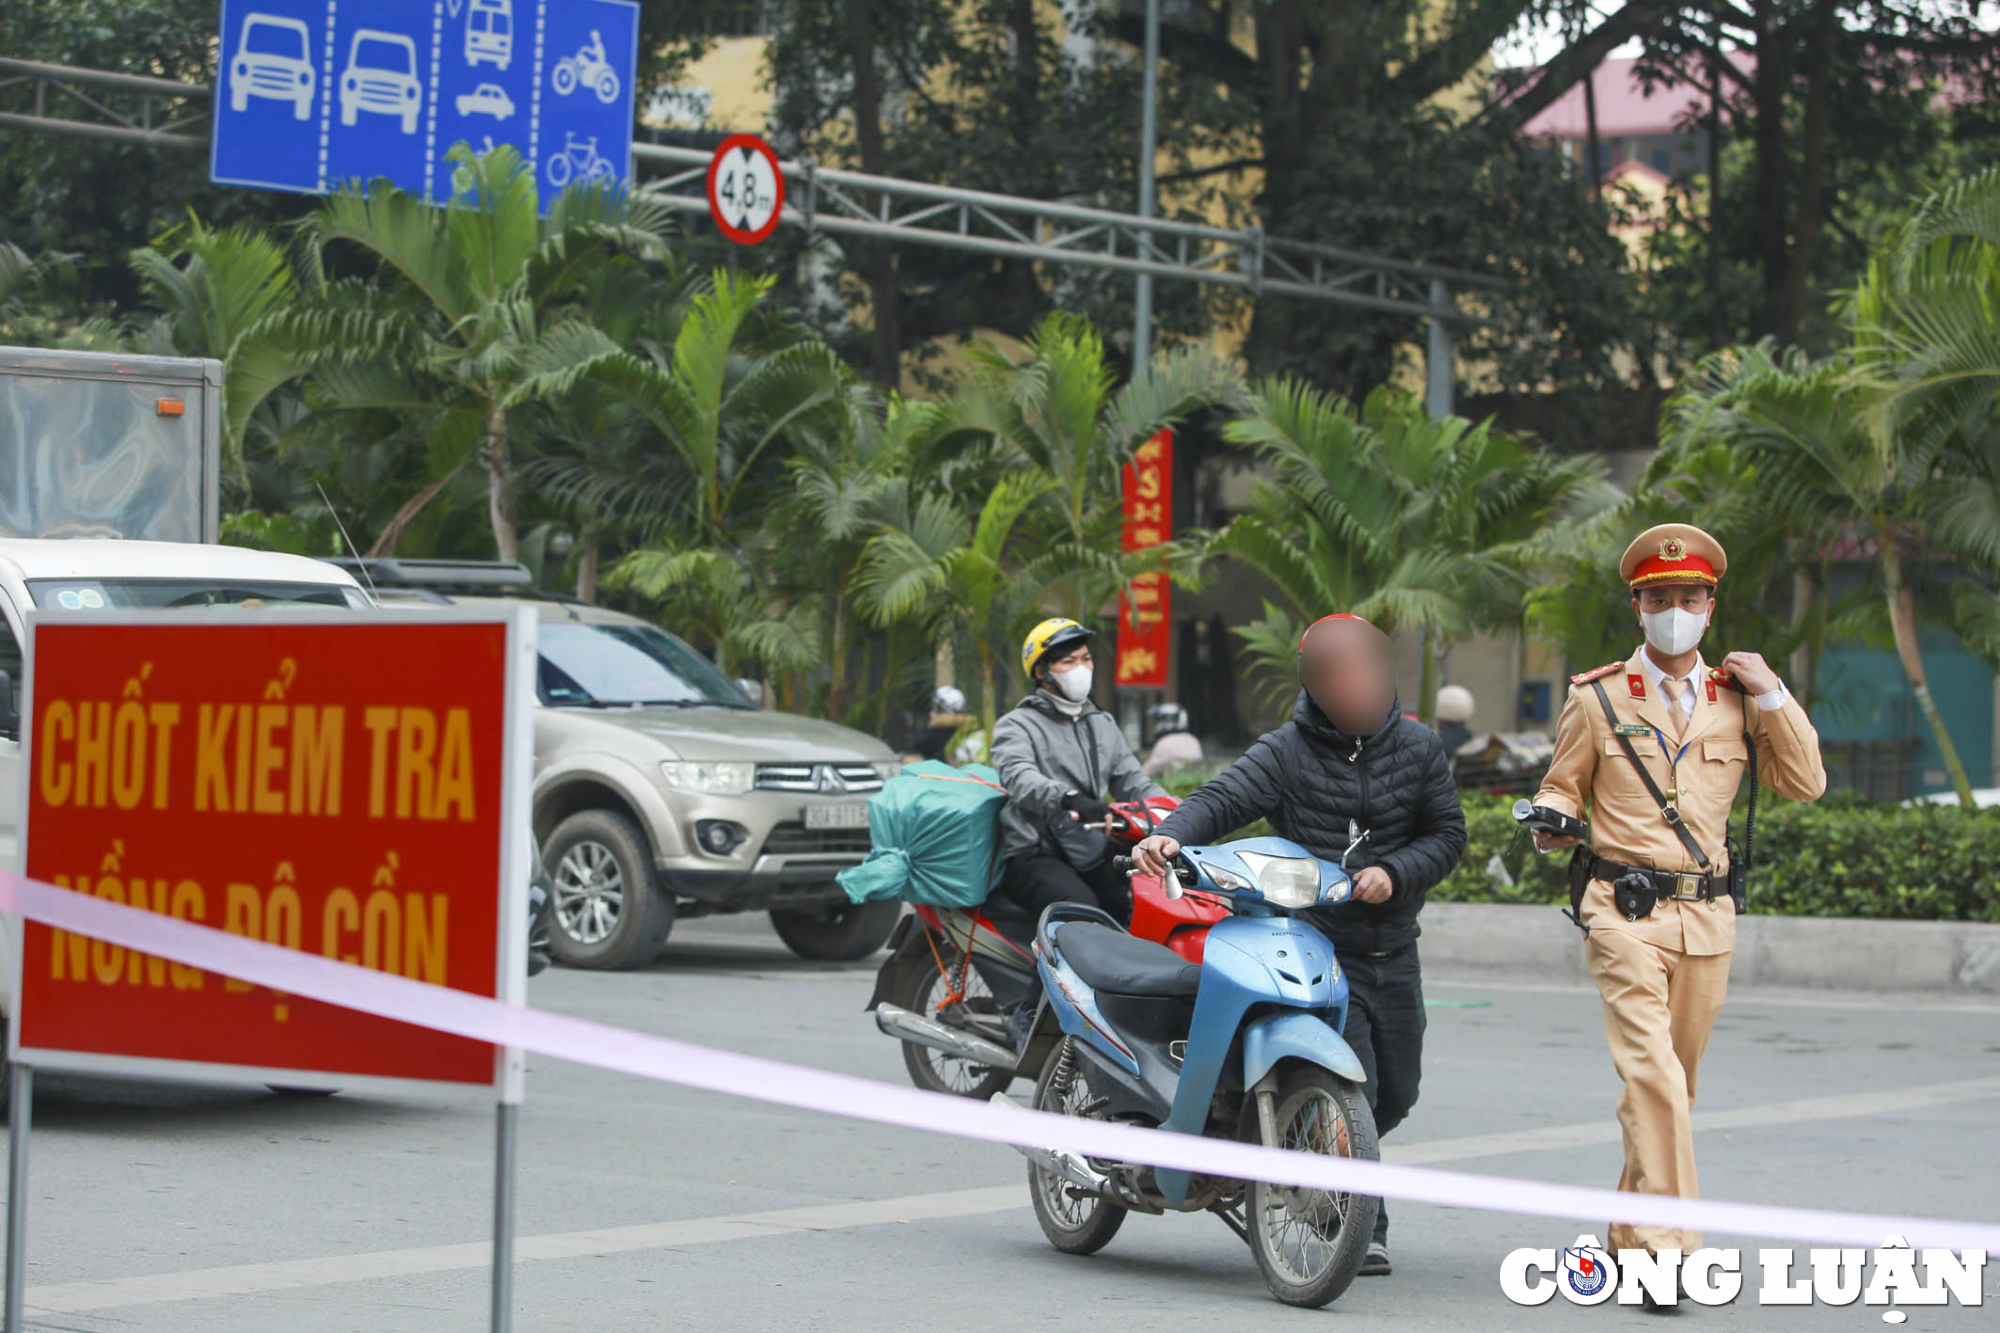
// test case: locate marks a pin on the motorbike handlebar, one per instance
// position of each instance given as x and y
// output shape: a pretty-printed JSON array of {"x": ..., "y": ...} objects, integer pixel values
[{"x": 1183, "y": 874}]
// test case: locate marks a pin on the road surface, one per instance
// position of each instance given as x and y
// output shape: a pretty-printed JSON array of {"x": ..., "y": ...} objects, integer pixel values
[{"x": 646, "y": 1207}]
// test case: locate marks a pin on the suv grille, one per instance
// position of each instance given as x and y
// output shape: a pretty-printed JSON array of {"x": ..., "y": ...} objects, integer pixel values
[
  {"x": 825, "y": 779},
  {"x": 798, "y": 840}
]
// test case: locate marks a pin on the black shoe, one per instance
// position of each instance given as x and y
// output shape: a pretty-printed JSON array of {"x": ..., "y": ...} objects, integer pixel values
[
  {"x": 1376, "y": 1264},
  {"x": 1652, "y": 1306}
]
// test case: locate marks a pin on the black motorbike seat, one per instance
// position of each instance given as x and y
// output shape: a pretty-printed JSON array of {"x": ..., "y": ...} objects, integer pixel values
[{"x": 1110, "y": 960}]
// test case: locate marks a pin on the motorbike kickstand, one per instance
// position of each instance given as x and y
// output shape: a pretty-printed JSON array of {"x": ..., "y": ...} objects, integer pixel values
[{"x": 1235, "y": 1223}]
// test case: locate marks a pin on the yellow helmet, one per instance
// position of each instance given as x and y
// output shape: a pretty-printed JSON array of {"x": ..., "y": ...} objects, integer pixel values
[{"x": 1044, "y": 640}]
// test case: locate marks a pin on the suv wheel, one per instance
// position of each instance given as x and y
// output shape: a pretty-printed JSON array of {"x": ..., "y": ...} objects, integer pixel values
[
  {"x": 609, "y": 909},
  {"x": 839, "y": 932}
]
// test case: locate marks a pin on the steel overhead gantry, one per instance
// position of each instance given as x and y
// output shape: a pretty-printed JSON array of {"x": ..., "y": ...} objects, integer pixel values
[{"x": 68, "y": 100}]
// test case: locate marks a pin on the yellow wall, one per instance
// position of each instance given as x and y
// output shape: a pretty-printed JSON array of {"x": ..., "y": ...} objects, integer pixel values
[{"x": 732, "y": 73}]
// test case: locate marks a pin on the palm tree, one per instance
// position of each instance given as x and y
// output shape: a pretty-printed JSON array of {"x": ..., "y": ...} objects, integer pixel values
[
  {"x": 597, "y": 460},
  {"x": 1417, "y": 523},
  {"x": 725, "y": 402},
  {"x": 1779, "y": 594},
  {"x": 731, "y": 409},
  {"x": 1894, "y": 443},
  {"x": 214, "y": 289},
  {"x": 476, "y": 314},
  {"x": 1062, "y": 413}
]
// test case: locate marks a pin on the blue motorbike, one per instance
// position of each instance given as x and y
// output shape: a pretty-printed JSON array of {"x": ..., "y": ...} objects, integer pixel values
[{"x": 1244, "y": 1046}]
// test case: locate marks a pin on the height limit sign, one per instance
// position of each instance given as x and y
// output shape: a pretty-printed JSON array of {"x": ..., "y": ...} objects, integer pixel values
[{"x": 746, "y": 190}]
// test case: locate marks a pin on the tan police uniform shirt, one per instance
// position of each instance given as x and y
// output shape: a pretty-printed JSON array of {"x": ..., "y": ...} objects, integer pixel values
[{"x": 1590, "y": 769}]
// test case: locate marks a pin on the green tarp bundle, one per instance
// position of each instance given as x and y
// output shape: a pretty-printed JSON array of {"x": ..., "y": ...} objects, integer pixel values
[{"x": 936, "y": 837}]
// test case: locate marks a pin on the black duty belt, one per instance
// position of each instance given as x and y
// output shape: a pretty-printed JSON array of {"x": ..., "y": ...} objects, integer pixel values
[{"x": 1675, "y": 885}]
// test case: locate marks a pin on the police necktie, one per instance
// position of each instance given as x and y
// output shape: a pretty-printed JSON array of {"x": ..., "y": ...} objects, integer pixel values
[{"x": 1676, "y": 717}]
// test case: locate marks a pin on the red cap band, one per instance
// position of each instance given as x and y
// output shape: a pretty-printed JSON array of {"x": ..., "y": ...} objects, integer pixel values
[
  {"x": 1337, "y": 615},
  {"x": 1658, "y": 569}
]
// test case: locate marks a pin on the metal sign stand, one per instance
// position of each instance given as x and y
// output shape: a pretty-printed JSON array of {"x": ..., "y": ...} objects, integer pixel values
[
  {"x": 503, "y": 1216},
  {"x": 20, "y": 1112}
]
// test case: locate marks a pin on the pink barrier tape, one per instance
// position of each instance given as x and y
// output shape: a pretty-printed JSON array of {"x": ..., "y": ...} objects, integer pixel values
[{"x": 703, "y": 1067}]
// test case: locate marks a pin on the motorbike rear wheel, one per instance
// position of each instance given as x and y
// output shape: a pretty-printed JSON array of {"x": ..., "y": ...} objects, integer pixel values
[
  {"x": 1309, "y": 1244},
  {"x": 1073, "y": 1224},
  {"x": 936, "y": 1070}
]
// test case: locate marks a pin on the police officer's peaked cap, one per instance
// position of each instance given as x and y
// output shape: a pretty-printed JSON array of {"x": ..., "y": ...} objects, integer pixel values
[{"x": 1673, "y": 553}]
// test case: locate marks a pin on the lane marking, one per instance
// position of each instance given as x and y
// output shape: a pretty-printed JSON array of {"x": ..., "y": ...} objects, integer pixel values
[
  {"x": 295, "y": 1274},
  {"x": 1804, "y": 1110},
  {"x": 1788, "y": 997},
  {"x": 326, "y": 91}
]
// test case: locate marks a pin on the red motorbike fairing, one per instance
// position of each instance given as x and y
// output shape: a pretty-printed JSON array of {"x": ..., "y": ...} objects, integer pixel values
[{"x": 1179, "y": 923}]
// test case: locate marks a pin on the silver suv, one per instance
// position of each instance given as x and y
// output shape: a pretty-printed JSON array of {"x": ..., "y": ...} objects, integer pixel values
[{"x": 662, "y": 790}]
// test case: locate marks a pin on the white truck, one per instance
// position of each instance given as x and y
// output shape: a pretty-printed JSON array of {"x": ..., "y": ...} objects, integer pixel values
[{"x": 109, "y": 471}]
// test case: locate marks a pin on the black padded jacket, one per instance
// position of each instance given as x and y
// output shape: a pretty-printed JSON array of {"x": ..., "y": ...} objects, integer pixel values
[{"x": 1310, "y": 780}]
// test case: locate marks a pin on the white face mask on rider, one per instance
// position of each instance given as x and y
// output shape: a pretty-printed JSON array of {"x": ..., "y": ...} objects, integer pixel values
[
  {"x": 1674, "y": 631},
  {"x": 1073, "y": 684}
]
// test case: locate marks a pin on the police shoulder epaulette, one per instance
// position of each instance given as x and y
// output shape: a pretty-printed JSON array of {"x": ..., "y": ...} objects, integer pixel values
[
  {"x": 1585, "y": 677},
  {"x": 1717, "y": 676}
]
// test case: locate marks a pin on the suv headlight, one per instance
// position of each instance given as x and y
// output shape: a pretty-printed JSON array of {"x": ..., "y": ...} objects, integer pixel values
[
  {"x": 889, "y": 768},
  {"x": 1286, "y": 881},
  {"x": 724, "y": 779}
]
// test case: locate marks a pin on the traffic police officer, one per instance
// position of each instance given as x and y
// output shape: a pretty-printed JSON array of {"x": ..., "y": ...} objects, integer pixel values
[{"x": 1662, "y": 962}]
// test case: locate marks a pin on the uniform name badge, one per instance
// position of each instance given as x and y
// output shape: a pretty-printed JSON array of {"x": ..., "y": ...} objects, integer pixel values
[{"x": 1631, "y": 729}]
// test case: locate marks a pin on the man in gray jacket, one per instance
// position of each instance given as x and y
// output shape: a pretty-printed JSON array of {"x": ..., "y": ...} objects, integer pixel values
[{"x": 1058, "y": 755}]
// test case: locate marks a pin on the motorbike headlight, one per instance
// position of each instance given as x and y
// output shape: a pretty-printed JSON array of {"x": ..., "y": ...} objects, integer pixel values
[
  {"x": 712, "y": 779},
  {"x": 889, "y": 768},
  {"x": 1286, "y": 881}
]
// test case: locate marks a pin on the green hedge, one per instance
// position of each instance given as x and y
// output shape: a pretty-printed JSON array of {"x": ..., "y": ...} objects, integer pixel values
[{"x": 1839, "y": 857}]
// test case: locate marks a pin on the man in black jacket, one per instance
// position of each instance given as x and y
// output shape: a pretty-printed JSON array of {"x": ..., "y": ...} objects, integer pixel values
[{"x": 1350, "y": 771}]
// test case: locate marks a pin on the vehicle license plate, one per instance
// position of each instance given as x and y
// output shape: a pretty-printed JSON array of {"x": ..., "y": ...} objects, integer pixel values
[{"x": 840, "y": 814}]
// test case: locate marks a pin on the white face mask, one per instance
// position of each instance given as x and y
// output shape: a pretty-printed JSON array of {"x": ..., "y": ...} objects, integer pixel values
[
  {"x": 1073, "y": 684},
  {"x": 1674, "y": 631}
]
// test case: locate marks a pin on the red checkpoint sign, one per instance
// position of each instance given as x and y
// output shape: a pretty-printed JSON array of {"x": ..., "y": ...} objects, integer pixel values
[
  {"x": 343, "y": 785},
  {"x": 1145, "y": 616},
  {"x": 746, "y": 189}
]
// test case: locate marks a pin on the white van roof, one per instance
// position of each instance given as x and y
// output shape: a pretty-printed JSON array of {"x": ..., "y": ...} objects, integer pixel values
[{"x": 106, "y": 558}]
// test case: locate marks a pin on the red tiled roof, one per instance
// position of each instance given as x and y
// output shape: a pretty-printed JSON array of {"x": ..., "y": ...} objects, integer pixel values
[{"x": 1624, "y": 107}]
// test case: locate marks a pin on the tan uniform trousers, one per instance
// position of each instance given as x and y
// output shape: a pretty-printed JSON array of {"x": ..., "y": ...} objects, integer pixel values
[{"x": 1659, "y": 1006}]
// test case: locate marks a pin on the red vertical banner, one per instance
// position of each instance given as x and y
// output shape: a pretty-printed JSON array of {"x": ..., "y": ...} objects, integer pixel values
[{"x": 1145, "y": 619}]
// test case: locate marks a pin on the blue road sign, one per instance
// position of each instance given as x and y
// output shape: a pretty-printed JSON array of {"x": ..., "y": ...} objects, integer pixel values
[{"x": 312, "y": 94}]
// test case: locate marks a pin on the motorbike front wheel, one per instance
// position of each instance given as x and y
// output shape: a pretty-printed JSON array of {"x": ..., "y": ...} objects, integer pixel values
[
  {"x": 1309, "y": 1244},
  {"x": 1074, "y": 1222},
  {"x": 939, "y": 1071}
]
